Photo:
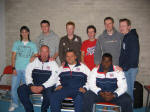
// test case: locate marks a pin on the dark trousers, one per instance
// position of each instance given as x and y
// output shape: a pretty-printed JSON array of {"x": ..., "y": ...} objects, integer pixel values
[
  {"x": 58, "y": 96},
  {"x": 90, "y": 98},
  {"x": 24, "y": 93}
]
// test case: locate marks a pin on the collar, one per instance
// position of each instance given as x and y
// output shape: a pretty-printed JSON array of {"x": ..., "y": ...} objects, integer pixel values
[
  {"x": 100, "y": 69},
  {"x": 66, "y": 64},
  {"x": 41, "y": 60}
]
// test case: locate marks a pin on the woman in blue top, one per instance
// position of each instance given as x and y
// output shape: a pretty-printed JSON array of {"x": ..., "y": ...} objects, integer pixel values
[{"x": 22, "y": 51}]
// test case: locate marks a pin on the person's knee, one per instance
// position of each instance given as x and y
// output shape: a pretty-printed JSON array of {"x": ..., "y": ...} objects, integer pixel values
[
  {"x": 21, "y": 89},
  {"x": 126, "y": 99}
]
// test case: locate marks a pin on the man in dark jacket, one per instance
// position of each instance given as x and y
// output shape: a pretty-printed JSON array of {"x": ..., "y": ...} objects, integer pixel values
[
  {"x": 129, "y": 57},
  {"x": 70, "y": 42}
]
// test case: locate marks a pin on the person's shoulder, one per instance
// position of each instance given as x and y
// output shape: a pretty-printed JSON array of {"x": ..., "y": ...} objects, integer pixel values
[
  {"x": 63, "y": 38},
  {"x": 53, "y": 63},
  {"x": 85, "y": 41}
]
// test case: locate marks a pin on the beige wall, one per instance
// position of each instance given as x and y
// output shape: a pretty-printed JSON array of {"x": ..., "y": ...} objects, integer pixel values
[{"x": 83, "y": 13}]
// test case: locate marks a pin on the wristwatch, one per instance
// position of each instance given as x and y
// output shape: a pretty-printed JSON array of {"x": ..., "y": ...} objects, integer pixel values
[{"x": 13, "y": 68}]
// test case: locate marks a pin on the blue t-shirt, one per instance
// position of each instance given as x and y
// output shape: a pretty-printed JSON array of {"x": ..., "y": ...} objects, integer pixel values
[{"x": 23, "y": 53}]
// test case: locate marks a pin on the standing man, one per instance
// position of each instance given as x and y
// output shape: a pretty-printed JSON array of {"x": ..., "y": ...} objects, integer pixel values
[
  {"x": 108, "y": 42},
  {"x": 129, "y": 57},
  {"x": 49, "y": 38},
  {"x": 88, "y": 48},
  {"x": 70, "y": 42},
  {"x": 41, "y": 76},
  {"x": 72, "y": 82},
  {"x": 107, "y": 84}
]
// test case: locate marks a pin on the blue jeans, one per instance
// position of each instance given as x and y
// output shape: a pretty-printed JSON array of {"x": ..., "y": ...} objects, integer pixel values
[
  {"x": 16, "y": 80},
  {"x": 131, "y": 77}
]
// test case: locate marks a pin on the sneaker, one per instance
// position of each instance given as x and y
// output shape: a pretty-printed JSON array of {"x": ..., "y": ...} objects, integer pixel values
[{"x": 11, "y": 108}]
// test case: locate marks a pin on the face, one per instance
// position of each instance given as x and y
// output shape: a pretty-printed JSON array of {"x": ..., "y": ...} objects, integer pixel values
[
  {"x": 45, "y": 28},
  {"x": 70, "y": 29},
  {"x": 71, "y": 58},
  {"x": 24, "y": 34},
  {"x": 124, "y": 28},
  {"x": 109, "y": 25},
  {"x": 106, "y": 63},
  {"x": 44, "y": 53},
  {"x": 91, "y": 33}
]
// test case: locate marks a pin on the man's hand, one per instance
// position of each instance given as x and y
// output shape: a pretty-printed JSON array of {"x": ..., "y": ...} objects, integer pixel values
[
  {"x": 32, "y": 59},
  {"x": 102, "y": 94},
  {"x": 119, "y": 68},
  {"x": 82, "y": 90},
  {"x": 58, "y": 88},
  {"x": 36, "y": 89},
  {"x": 108, "y": 96},
  {"x": 14, "y": 72},
  {"x": 63, "y": 64}
]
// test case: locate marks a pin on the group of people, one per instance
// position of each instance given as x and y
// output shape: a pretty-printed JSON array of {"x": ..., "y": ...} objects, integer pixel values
[{"x": 100, "y": 69}]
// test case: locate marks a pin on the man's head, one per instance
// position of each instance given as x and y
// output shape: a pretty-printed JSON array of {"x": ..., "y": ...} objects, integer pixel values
[
  {"x": 70, "y": 27},
  {"x": 71, "y": 57},
  {"x": 44, "y": 53},
  {"x": 106, "y": 61},
  {"x": 124, "y": 25},
  {"x": 91, "y": 31},
  {"x": 109, "y": 23},
  {"x": 45, "y": 26}
]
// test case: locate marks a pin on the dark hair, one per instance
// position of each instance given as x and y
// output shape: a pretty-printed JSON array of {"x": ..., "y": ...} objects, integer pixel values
[
  {"x": 45, "y": 21},
  {"x": 126, "y": 20},
  {"x": 71, "y": 50},
  {"x": 27, "y": 29},
  {"x": 108, "y": 55},
  {"x": 109, "y": 18},
  {"x": 91, "y": 26},
  {"x": 70, "y": 23}
]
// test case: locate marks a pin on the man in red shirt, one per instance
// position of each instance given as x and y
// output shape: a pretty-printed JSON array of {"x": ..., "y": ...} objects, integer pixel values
[{"x": 88, "y": 48}]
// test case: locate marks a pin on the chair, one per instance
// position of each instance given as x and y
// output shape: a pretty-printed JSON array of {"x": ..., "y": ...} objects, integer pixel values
[
  {"x": 106, "y": 107},
  {"x": 7, "y": 71},
  {"x": 147, "y": 87},
  {"x": 67, "y": 105}
]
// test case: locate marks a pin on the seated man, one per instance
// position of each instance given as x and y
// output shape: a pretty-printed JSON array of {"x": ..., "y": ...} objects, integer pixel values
[
  {"x": 40, "y": 78},
  {"x": 107, "y": 85},
  {"x": 72, "y": 82}
]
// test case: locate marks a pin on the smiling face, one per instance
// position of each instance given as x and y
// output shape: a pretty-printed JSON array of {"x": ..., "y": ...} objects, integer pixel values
[
  {"x": 124, "y": 27},
  {"x": 44, "y": 53},
  {"x": 109, "y": 25},
  {"x": 45, "y": 28},
  {"x": 70, "y": 29},
  {"x": 91, "y": 33},
  {"x": 71, "y": 58}
]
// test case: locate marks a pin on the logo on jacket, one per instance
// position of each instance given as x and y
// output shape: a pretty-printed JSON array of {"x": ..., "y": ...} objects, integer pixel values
[
  {"x": 78, "y": 69},
  {"x": 48, "y": 67}
]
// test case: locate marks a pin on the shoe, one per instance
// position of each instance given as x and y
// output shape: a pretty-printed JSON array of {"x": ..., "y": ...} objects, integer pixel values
[{"x": 11, "y": 108}]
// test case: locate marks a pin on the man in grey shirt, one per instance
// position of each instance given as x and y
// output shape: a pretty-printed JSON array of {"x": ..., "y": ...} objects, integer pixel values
[
  {"x": 108, "y": 42},
  {"x": 49, "y": 38}
]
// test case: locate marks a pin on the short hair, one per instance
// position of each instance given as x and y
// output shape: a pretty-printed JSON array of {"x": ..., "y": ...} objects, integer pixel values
[
  {"x": 108, "y": 55},
  {"x": 70, "y": 23},
  {"x": 27, "y": 29},
  {"x": 45, "y": 21},
  {"x": 109, "y": 18},
  {"x": 125, "y": 20},
  {"x": 44, "y": 46},
  {"x": 71, "y": 50},
  {"x": 91, "y": 26}
]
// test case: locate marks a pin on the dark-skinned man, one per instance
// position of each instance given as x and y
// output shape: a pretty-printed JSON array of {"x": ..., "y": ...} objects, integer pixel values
[
  {"x": 107, "y": 84},
  {"x": 41, "y": 76},
  {"x": 72, "y": 82}
]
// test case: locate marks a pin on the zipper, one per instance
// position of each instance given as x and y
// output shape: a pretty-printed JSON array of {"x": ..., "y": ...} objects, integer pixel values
[{"x": 42, "y": 65}]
